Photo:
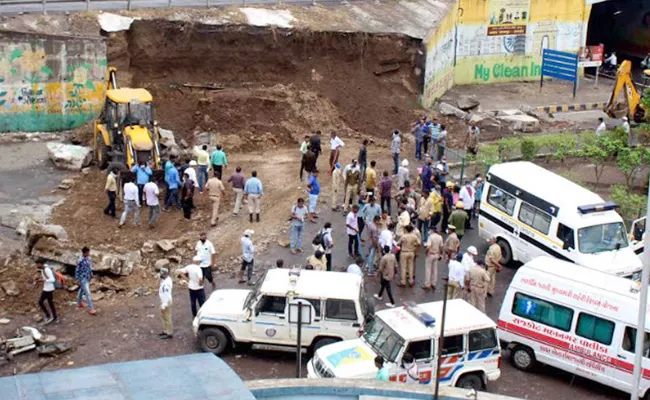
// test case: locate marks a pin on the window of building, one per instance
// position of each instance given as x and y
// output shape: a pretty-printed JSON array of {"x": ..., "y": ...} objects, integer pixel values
[
  {"x": 420, "y": 350},
  {"x": 542, "y": 311},
  {"x": 272, "y": 304},
  {"x": 501, "y": 200},
  {"x": 452, "y": 344},
  {"x": 629, "y": 341},
  {"x": 536, "y": 219},
  {"x": 482, "y": 339},
  {"x": 341, "y": 309},
  {"x": 565, "y": 234},
  {"x": 595, "y": 328}
]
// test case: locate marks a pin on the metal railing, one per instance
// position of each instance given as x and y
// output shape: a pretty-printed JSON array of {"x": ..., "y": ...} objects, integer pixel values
[{"x": 59, "y": 6}]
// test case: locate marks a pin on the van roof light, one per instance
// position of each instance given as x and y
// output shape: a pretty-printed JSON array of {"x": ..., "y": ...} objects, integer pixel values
[
  {"x": 592, "y": 208},
  {"x": 419, "y": 313}
]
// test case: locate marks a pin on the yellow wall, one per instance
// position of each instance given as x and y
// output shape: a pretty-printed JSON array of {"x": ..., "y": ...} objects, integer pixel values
[{"x": 439, "y": 71}]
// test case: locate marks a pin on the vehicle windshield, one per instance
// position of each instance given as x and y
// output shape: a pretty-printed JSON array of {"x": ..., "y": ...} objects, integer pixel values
[
  {"x": 254, "y": 291},
  {"x": 134, "y": 112},
  {"x": 383, "y": 340},
  {"x": 600, "y": 238}
]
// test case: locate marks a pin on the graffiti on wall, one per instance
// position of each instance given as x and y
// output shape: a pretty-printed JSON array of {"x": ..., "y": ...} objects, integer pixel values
[
  {"x": 508, "y": 17},
  {"x": 58, "y": 89},
  {"x": 439, "y": 71}
]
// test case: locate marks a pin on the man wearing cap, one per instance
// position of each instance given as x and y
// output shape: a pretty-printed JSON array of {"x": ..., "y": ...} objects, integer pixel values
[
  {"x": 458, "y": 218},
  {"x": 456, "y": 281},
  {"x": 352, "y": 175},
  {"x": 336, "y": 185},
  {"x": 395, "y": 149},
  {"x": 434, "y": 249},
  {"x": 219, "y": 161},
  {"x": 493, "y": 262},
  {"x": 403, "y": 174},
  {"x": 195, "y": 283},
  {"x": 248, "y": 257},
  {"x": 468, "y": 261},
  {"x": 165, "y": 295},
  {"x": 478, "y": 280},
  {"x": 452, "y": 243},
  {"x": 205, "y": 249},
  {"x": 409, "y": 244}
]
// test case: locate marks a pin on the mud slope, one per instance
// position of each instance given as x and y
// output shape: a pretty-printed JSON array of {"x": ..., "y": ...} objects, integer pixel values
[{"x": 284, "y": 82}]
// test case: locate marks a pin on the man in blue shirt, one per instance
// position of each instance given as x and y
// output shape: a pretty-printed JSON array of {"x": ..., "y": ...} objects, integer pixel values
[
  {"x": 142, "y": 175},
  {"x": 314, "y": 192},
  {"x": 82, "y": 274},
  {"x": 418, "y": 131},
  {"x": 173, "y": 181},
  {"x": 253, "y": 191}
]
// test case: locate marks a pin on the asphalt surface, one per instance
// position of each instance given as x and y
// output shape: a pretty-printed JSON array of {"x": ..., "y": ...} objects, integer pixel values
[{"x": 545, "y": 383}]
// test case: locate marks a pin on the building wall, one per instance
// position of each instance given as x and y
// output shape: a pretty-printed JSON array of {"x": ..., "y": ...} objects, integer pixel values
[
  {"x": 50, "y": 83},
  {"x": 439, "y": 67}
]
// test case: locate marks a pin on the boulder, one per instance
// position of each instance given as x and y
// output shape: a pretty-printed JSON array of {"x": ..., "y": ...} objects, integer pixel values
[
  {"x": 175, "y": 259},
  {"x": 283, "y": 243},
  {"x": 35, "y": 231},
  {"x": 23, "y": 226},
  {"x": 167, "y": 137},
  {"x": 148, "y": 247},
  {"x": 166, "y": 245},
  {"x": 10, "y": 288},
  {"x": 69, "y": 156},
  {"x": 449, "y": 110},
  {"x": 208, "y": 138},
  {"x": 467, "y": 103},
  {"x": 162, "y": 263},
  {"x": 476, "y": 118},
  {"x": 521, "y": 123},
  {"x": 12, "y": 217}
]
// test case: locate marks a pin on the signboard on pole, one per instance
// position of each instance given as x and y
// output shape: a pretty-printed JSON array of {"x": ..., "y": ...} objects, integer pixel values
[
  {"x": 301, "y": 312},
  {"x": 560, "y": 65}
]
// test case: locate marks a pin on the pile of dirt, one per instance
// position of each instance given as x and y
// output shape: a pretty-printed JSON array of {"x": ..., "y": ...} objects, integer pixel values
[{"x": 286, "y": 82}]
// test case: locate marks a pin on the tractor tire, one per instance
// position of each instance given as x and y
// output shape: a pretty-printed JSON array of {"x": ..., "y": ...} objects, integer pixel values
[{"x": 101, "y": 154}]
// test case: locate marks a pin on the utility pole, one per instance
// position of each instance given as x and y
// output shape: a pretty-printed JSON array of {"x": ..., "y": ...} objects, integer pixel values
[
  {"x": 643, "y": 306},
  {"x": 445, "y": 281}
]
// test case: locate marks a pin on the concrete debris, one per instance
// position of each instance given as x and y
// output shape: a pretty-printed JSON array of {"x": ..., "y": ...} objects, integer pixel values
[
  {"x": 114, "y": 23},
  {"x": 72, "y": 288},
  {"x": 10, "y": 287},
  {"x": 208, "y": 138},
  {"x": 467, "y": 103},
  {"x": 63, "y": 186},
  {"x": 521, "y": 123},
  {"x": 283, "y": 243},
  {"x": 34, "y": 231},
  {"x": 4, "y": 321},
  {"x": 175, "y": 259},
  {"x": 265, "y": 17},
  {"x": 69, "y": 156},
  {"x": 162, "y": 263},
  {"x": 50, "y": 350},
  {"x": 141, "y": 291},
  {"x": 167, "y": 137},
  {"x": 11, "y": 216},
  {"x": 449, "y": 110},
  {"x": 97, "y": 296},
  {"x": 184, "y": 143},
  {"x": 166, "y": 245},
  {"x": 105, "y": 283},
  {"x": 147, "y": 247}
]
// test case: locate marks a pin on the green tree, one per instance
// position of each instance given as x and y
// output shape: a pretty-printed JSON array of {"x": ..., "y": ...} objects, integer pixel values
[
  {"x": 630, "y": 161},
  {"x": 601, "y": 152}
]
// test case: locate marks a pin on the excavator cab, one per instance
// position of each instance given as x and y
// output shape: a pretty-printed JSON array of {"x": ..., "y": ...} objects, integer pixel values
[
  {"x": 632, "y": 106},
  {"x": 126, "y": 132}
]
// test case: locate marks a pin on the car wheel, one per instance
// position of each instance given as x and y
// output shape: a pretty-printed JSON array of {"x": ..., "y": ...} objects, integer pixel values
[
  {"x": 213, "y": 340},
  {"x": 506, "y": 252},
  {"x": 522, "y": 358},
  {"x": 470, "y": 381},
  {"x": 323, "y": 342}
]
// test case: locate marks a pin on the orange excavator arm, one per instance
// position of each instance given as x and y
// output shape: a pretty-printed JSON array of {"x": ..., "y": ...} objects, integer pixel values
[{"x": 624, "y": 83}]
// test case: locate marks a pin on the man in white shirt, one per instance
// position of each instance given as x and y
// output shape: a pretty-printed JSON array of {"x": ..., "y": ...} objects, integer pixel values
[
  {"x": 355, "y": 268},
  {"x": 352, "y": 229},
  {"x": 248, "y": 257},
  {"x": 457, "y": 274},
  {"x": 47, "y": 275},
  {"x": 195, "y": 283},
  {"x": 468, "y": 261},
  {"x": 467, "y": 195},
  {"x": 205, "y": 249},
  {"x": 411, "y": 367},
  {"x": 131, "y": 203},
  {"x": 395, "y": 149},
  {"x": 151, "y": 193},
  {"x": 165, "y": 295},
  {"x": 336, "y": 144},
  {"x": 386, "y": 238},
  {"x": 602, "y": 128},
  {"x": 612, "y": 60},
  {"x": 191, "y": 171}
]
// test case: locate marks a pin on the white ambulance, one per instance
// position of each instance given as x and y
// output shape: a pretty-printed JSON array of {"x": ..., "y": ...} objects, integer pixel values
[
  {"x": 534, "y": 212},
  {"x": 471, "y": 354},
  {"x": 576, "y": 319}
]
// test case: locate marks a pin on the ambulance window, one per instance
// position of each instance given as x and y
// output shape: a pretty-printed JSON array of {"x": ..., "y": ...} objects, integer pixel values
[
  {"x": 565, "y": 234},
  {"x": 501, "y": 200},
  {"x": 542, "y": 311},
  {"x": 536, "y": 219},
  {"x": 452, "y": 344},
  {"x": 482, "y": 339},
  {"x": 272, "y": 304},
  {"x": 629, "y": 341},
  {"x": 421, "y": 350},
  {"x": 595, "y": 328},
  {"x": 316, "y": 304},
  {"x": 341, "y": 309}
]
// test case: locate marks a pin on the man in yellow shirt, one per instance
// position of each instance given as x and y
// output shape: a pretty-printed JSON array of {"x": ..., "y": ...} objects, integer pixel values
[
  {"x": 203, "y": 160},
  {"x": 111, "y": 192},
  {"x": 436, "y": 197},
  {"x": 371, "y": 178}
]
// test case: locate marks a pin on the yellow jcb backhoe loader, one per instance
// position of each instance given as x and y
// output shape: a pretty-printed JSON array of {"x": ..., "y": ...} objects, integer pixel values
[
  {"x": 632, "y": 107},
  {"x": 126, "y": 132}
]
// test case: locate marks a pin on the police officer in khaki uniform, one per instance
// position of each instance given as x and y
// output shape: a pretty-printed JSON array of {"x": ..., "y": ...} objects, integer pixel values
[
  {"x": 478, "y": 280},
  {"x": 493, "y": 262},
  {"x": 215, "y": 191},
  {"x": 409, "y": 243}
]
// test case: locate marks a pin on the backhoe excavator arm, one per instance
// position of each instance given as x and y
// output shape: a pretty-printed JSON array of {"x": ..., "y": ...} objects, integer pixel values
[
  {"x": 632, "y": 97},
  {"x": 111, "y": 78}
]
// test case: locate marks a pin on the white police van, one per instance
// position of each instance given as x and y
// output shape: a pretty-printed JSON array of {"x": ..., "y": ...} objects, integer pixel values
[
  {"x": 534, "y": 212},
  {"x": 471, "y": 353}
]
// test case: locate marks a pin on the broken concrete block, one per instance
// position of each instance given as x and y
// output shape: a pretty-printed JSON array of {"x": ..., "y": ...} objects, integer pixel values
[
  {"x": 166, "y": 245},
  {"x": 69, "y": 156},
  {"x": 467, "y": 103},
  {"x": 449, "y": 110},
  {"x": 160, "y": 264},
  {"x": 10, "y": 287},
  {"x": 147, "y": 247},
  {"x": 167, "y": 137},
  {"x": 521, "y": 123}
]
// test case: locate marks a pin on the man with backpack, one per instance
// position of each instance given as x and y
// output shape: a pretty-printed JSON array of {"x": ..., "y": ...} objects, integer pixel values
[
  {"x": 323, "y": 241},
  {"x": 49, "y": 284}
]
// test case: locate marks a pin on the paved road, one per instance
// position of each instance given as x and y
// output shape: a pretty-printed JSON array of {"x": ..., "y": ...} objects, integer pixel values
[{"x": 546, "y": 383}]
